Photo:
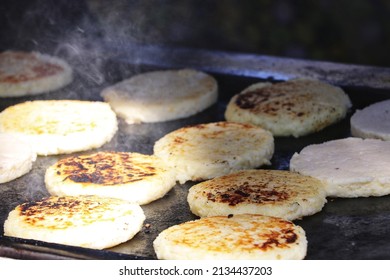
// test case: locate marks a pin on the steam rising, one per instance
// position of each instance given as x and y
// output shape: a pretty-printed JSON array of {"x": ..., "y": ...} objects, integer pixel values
[
  {"x": 86, "y": 61},
  {"x": 86, "y": 34}
]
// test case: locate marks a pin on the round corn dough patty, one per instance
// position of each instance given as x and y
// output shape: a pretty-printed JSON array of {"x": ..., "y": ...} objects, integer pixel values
[
  {"x": 16, "y": 157},
  {"x": 372, "y": 121},
  {"x": 133, "y": 177},
  {"x": 60, "y": 126},
  {"x": 293, "y": 108},
  {"x": 205, "y": 151},
  {"x": 350, "y": 167},
  {"x": 243, "y": 236},
  {"x": 162, "y": 95},
  {"x": 275, "y": 193},
  {"x": 31, "y": 73},
  {"x": 84, "y": 221}
]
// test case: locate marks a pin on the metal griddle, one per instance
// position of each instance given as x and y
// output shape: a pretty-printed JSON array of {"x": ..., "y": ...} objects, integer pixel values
[{"x": 353, "y": 228}]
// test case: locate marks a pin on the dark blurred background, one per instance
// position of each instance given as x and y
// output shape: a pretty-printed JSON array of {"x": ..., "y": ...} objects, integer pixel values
[{"x": 334, "y": 30}]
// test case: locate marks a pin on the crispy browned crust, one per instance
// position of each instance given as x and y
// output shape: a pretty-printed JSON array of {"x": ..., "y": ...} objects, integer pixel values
[
  {"x": 270, "y": 100},
  {"x": 247, "y": 193},
  {"x": 262, "y": 234},
  {"x": 63, "y": 210},
  {"x": 205, "y": 132},
  {"x": 258, "y": 187},
  {"x": 106, "y": 168}
]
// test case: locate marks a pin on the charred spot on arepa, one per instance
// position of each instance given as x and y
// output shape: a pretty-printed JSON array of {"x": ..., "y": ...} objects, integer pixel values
[
  {"x": 246, "y": 192},
  {"x": 272, "y": 99},
  {"x": 252, "y": 98},
  {"x": 280, "y": 239},
  {"x": 106, "y": 168},
  {"x": 276, "y": 193},
  {"x": 179, "y": 140},
  {"x": 54, "y": 208}
]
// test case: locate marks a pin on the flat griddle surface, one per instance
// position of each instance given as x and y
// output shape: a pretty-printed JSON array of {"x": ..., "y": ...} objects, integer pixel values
[{"x": 354, "y": 228}]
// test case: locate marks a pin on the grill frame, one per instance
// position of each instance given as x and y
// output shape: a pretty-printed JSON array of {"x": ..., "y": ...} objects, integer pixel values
[{"x": 334, "y": 233}]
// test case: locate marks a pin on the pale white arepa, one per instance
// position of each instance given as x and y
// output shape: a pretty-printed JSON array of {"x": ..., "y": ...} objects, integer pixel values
[
  {"x": 31, "y": 73},
  {"x": 234, "y": 237},
  {"x": 372, "y": 121},
  {"x": 60, "y": 126},
  {"x": 205, "y": 151},
  {"x": 296, "y": 107},
  {"x": 16, "y": 157},
  {"x": 162, "y": 95},
  {"x": 350, "y": 167},
  {"x": 277, "y": 193},
  {"x": 84, "y": 221}
]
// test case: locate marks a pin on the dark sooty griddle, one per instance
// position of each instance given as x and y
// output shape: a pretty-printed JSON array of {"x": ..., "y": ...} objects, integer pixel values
[{"x": 345, "y": 229}]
